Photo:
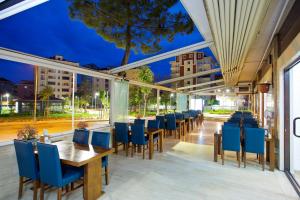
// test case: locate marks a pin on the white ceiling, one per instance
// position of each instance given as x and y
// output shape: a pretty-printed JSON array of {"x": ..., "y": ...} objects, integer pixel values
[{"x": 241, "y": 30}]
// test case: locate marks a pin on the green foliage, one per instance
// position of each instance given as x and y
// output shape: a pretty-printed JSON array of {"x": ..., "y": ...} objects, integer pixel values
[
  {"x": 212, "y": 102},
  {"x": 84, "y": 94},
  {"x": 165, "y": 99},
  {"x": 45, "y": 95},
  {"x": 146, "y": 76},
  {"x": 103, "y": 95},
  {"x": 219, "y": 111},
  {"x": 132, "y": 25}
]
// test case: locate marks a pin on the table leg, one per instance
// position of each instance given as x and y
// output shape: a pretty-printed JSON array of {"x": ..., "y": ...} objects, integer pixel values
[
  {"x": 268, "y": 151},
  {"x": 219, "y": 144},
  {"x": 272, "y": 154},
  {"x": 93, "y": 180},
  {"x": 161, "y": 141},
  {"x": 151, "y": 147},
  {"x": 216, "y": 147}
]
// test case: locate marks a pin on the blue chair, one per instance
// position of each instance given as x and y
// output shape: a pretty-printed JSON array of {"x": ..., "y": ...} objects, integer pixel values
[
  {"x": 254, "y": 139},
  {"x": 231, "y": 141},
  {"x": 28, "y": 165},
  {"x": 234, "y": 124},
  {"x": 138, "y": 138},
  {"x": 121, "y": 136},
  {"x": 101, "y": 139},
  {"x": 179, "y": 116},
  {"x": 52, "y": 172},
  {"x": 81, "y": 136},
  {"x": 154, "y": 124},
  {"x": 162, "y": 121},
  {"x": 140, "y": 121},
  {"x": 171, "y": 125}
]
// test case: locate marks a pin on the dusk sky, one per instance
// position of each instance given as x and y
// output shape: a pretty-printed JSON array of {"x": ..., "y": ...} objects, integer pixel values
[{"x": 47, "y": 30}]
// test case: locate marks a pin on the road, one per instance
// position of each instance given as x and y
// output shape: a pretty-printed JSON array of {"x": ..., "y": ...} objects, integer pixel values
[{"x": 8, "y": 130}]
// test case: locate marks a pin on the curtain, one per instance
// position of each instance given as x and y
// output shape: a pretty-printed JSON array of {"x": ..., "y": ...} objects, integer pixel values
[
  {"x": 119, "y": 101},
  {"x": 181, "y": 102}
]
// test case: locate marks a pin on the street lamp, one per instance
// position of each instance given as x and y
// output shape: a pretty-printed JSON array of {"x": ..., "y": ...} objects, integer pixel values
[{"x": 7, "y": 96}]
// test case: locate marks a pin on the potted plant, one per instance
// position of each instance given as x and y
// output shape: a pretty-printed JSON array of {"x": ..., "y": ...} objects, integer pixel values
[
  {"x": 28, "y": 133},
  {"x": 82, "y": 125}
]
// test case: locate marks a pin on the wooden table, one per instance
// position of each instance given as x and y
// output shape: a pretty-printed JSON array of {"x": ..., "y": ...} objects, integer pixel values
[
  {"x": 270, "y": 149},
  {"x": 182, "y": 127},
  {"x": 88, "y": 156},
  {"x": 150, "y": 133}
]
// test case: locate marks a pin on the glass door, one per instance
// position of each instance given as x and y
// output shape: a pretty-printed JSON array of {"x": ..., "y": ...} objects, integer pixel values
[{"x": 292, "y": 123}]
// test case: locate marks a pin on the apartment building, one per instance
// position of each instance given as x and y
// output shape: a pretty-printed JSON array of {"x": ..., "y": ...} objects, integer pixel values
[
  {"x": 61, "y": 81},
  {"x": 97, "y": 84},
  {"x": 191, "y": 63}
]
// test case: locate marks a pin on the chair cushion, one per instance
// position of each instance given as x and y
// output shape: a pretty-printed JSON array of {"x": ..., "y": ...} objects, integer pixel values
[{"x": 71, "y": 174}]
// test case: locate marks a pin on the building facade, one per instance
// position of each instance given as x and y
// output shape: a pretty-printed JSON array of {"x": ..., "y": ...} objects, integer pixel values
[
  {"x": 25, "y": 89},
  {"x": 97, "y": 84},
  {"x": 61, "y": 81},
  {"x": 191, "y": 63}
]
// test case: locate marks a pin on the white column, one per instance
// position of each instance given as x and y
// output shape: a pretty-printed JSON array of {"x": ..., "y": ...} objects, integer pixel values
[
  {"x": 157, "y": 101},
  {"x": 35, "y": 91},
  {"x": 112, "y": 97},
  {"x": 73, "y": 98}
]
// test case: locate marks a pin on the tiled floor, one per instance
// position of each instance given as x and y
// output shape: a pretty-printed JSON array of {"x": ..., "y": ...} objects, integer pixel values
[{"x": 184, "y": 171}]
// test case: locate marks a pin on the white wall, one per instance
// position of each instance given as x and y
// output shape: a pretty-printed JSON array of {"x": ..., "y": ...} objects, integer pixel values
[{"x": 286, "y": 58}]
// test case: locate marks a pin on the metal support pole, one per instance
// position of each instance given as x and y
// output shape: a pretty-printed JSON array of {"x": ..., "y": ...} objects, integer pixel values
[
  {"x": 73, "y": 105},
  {"x": 157, "y": 101},
  {"x": 35, "y": 91}
]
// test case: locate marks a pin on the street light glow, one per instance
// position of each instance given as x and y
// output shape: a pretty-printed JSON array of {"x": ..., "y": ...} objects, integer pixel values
[{"x": 6, "y": 95}]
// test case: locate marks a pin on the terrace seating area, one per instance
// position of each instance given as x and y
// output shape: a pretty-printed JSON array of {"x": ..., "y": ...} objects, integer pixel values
[
  {"x": 183, "y": 165},
  {"x": 241, "y": 133},
  {"x": 221, "y": 123}
]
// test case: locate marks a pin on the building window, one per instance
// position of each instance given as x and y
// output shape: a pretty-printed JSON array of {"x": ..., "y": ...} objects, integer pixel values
[
  {"x": 65, "y": 90},
  {"x": 51, "y": 83},
  {"x": 184, "y": 56},
  {"x": 188, "y": 69},
  {"x": 188, "y": 82},
  {"x": 191, "y": 55},
  {"x": 65, "y": 78}
]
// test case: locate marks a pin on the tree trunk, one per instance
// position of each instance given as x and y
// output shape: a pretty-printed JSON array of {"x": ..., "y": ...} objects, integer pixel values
[
  {"x": 145, "y": 104},
  {"x": 127, "y": 46}
]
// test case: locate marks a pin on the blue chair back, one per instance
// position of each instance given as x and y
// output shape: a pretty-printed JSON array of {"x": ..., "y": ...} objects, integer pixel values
[
  {"x": 186, "y": 115},
  {"x": 171, "y": 123},
  {"x": 121, "y": 132},
  {"x": 162, "y": 123},
  {"x": 231, "y": 138},
  {"x": 137, "y": 134},
  {"x": 101, "y": 139},
  {"x": 139, "y": 121},
  {"x": 153, "y": 124},
  {"x": 179, "y": 116},
  {"x": 50, "y": 166},
  {"x": 81, "y": 136},
  {"x": 254, "y": 140},
  {"x": 27, "y": 164},
  {"x": 234, "y": 124}
]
